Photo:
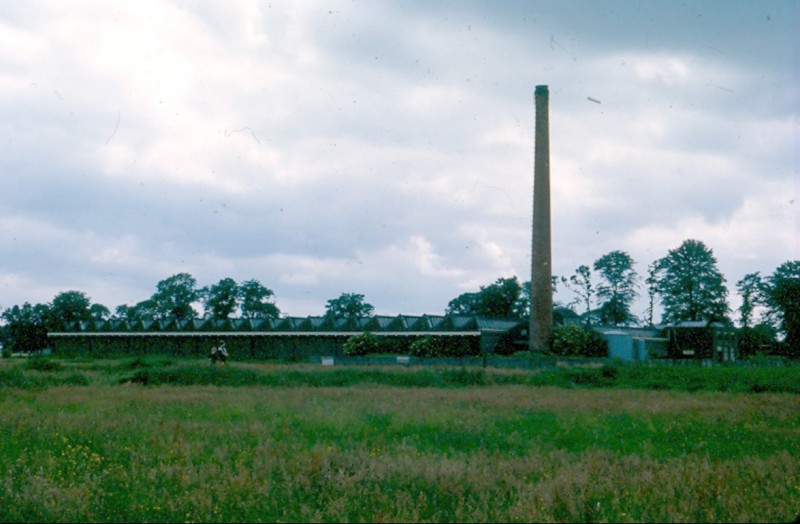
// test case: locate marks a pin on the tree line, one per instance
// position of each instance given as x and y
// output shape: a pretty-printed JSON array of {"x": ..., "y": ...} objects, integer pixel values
[{"x": 686, "y": 283}]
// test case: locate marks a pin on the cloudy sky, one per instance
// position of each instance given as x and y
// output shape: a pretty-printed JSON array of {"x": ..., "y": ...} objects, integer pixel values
[{"x": 386, "y": 148}]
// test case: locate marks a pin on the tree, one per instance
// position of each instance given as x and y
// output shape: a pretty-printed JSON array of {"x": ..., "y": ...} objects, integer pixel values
[
  {"x": 69, "y": 307},
  {"x": 691, "y": 286},
  {"x": 348, "y": 305},
  {"x": 618, "y": 290},
  {"x": 256, "y": 300},
  {"x": 464, "y": 304},
  {"x": 751, "y": 289},
  {"x": 522, "y": 307},
  {"x": 174, "y": 297},
  {"x": 783, "y": 294},
  {"x": 498, "y": 300},
  {"x": 653, "y": 276},
  {"x": 221, "y": 299},
  {"x": 581, "y": 284},
  {"x": 144, "y": 310},
  {"x": 26, "y": 327},
  {"x": 502, "y": 299},
  {"x": 99, "y": 312}
]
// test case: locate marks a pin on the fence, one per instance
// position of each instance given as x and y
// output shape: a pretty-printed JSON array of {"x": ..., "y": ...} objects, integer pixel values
[{"x": 533, "y": 363}]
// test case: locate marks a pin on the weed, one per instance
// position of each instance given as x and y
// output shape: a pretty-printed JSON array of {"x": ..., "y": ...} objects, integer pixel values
[{"x": 43, "y": 364}]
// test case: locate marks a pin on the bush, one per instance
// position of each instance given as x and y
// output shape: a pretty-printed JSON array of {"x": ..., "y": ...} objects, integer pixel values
[
  {"x": 43, "y": 364},
  {"x": 394, "y": 345},
  {"x": 425, "y": 347},
  {"x": 429, "y": 346},
  {"x": 362, "y": 344},
  {"x": 574, "y": 340}
]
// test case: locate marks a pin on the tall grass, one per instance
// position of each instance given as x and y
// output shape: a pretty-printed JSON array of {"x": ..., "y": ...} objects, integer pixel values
[
  {"x": 394, "y": 453},
  {"x": 155, "y": 371}
]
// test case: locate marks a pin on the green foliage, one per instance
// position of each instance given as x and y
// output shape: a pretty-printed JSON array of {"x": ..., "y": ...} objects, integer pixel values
[
  {"x": 474, "y": 454},
  {"x": 394, "y": 345},
  {"x": 751, "y": 289},
  {"x": 605, "y": 376},
  {"x": 43, "y": 364},
  {"x": 160, "y": 371},
  {"x": 362, "y": 344},
  {"x": 174, "y": 297},
  {"x": 464, "y": 304},
  {"x": 651, "y": 281},
  {"x": 429, "y": 346},
  {"x": 144, "y": 310},
  {"x": 348, "y": 305},
  {"x": 618, "y": 290},
  {"x": 759, "y": 339},
  {"x": 580, "y": 284},
  {"x": 502, "y": 299},
  {"x": 690, "y": 284},
  {"x": 783, "y": 293},
  {"x": 15, "y": 377},
  {"x": 69, "y": 307},
  {"x": 256, "y": 300},
  {"x": 221, "y": 299},
  {"x": 99, "y": 312},
  {"x": 574, "y": 340}
]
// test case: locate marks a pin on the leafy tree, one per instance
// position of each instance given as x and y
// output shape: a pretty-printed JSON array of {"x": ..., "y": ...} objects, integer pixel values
[
  {"x": 26, "y": 327},
  {"x": 69, "y": 307},
  {"x": 464, "y": 304},
  {"x": 691, "y": 286},
  {"x": 348, "y": 305},
  {"x": 498, "y": 300},
  {"x": 761, "y": 338},
  {"x": 221, "y": 299},
  {"x": 256, "y": 300},
  {"x": 580, "y": 284},
  {"x": 99, "y": 312},
  {"x": 122, "y": 312},
  {"x": 618, "y": 290},
  {"x": 174, "y": 297},
  {"x": 144, "y": 310},
  {"x": 522, "y": 307},
  {"x": 751, "y": 289},
  {"x": 783, "y": 294}
]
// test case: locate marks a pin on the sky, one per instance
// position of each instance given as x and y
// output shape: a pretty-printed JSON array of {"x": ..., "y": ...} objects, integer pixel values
[{"x": 386, "y": 147}]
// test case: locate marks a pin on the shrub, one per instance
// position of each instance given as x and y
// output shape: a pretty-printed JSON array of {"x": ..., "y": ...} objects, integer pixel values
[
  {"x": 394, "y": 345},
  {"x": 574, "y": 340},
  {"x": 425, "y": 347},
  {"x": 43, "y": 364},
  {"x": 429, "y": 346},
  {"x": 362, "y": 344}
]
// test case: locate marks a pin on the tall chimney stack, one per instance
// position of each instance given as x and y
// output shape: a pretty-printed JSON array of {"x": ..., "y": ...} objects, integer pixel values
[{"x": 541, "y": 258}]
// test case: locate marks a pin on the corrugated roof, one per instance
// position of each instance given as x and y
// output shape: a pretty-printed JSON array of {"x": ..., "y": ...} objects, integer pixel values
[{"x": 378, "y": 324}]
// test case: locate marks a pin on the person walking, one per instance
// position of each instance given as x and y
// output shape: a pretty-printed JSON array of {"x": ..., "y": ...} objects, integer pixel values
[{"x": 222, "y": 352}]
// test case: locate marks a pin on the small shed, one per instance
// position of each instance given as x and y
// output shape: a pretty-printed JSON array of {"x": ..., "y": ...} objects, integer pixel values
[{"x": 620, "y": 344}]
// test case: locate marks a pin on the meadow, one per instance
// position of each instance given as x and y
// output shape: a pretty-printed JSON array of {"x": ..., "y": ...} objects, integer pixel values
[{"x": 159, "y": 439}]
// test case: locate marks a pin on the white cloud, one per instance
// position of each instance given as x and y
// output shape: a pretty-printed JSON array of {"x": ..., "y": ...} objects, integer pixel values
[{"x": 385, "y": 149}]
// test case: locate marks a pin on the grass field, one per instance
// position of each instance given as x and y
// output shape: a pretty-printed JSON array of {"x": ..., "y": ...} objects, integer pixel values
[{"x": 85, "y": 440}]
